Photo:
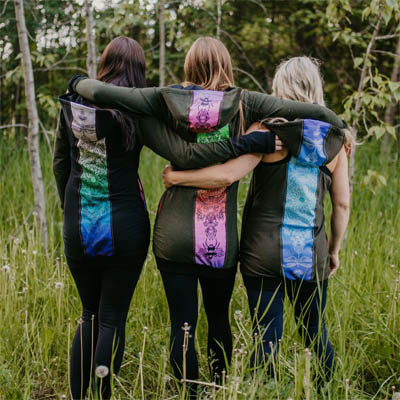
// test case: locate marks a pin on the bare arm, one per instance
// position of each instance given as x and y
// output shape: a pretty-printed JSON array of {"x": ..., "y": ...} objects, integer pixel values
[
  {"x": 212, "y": 177},
  {"x": 340, "y": 197}
]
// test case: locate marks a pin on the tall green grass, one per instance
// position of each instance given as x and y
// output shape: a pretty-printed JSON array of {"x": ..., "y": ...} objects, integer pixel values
[{"x": 39, "y": 305}]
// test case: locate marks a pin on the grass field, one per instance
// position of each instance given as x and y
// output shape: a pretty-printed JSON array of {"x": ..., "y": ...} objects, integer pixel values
[{"x": 39, "y": 305}]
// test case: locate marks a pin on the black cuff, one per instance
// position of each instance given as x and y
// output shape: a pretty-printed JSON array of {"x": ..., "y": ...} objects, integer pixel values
[
  {"x": 74, "y": 81},
  {"x": 255, "y": 142}
]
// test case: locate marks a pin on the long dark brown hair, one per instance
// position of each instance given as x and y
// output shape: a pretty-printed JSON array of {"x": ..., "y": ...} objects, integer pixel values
[{"x": 123, "y": 64}]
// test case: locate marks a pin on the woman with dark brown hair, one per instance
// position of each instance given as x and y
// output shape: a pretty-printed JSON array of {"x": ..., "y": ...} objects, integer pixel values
[{"x": 106, "y": 225}]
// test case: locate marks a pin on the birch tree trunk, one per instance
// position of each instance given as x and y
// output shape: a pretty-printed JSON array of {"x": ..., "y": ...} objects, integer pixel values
[
  {"x": 357, "y": 109},
  {"x": 219, "y": 15},
  {"x": 91, "y": 60},
  {"x": 391, "y": 109},
  {"x": 161, "y": 10},
  {"x": 33, "y": 122}
]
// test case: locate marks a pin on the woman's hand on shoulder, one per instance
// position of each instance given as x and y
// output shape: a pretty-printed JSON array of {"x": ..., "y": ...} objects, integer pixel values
[{"x": 167, "y": 174}]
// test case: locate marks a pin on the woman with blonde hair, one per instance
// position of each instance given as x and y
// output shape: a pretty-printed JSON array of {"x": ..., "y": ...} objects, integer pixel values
[
  {"x": 284, "y": 249},
  {"x": 195, "y": 234}
]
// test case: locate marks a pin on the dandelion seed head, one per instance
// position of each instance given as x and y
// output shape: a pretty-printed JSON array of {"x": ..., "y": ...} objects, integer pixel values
[
  {"x": 6, "y": 268},
  {"x": 23, "y": 251},
  {"x": 102, "y": 371},
  {"x": 59, "y": 285},
  {"x": 238, "y": 314},
  {"x": 34, "y": 252},
  {"x": 186, "y": 327}
]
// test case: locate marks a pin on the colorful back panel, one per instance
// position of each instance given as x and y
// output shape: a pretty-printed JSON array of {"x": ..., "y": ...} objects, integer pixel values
[
  {"x": 210, "y": 216},
  {"x": 297, "y": 232},
  {"x": 95, "y": 206},
  {"x": 204, "y": 111}
]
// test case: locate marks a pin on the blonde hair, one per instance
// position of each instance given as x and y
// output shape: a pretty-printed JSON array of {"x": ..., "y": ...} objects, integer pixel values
[
  {"x": 209, "y": 65},
  {"x": 299, "y": 79}
]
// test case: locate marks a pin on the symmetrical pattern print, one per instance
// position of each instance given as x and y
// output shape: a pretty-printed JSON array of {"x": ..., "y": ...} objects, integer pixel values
[
  {"x": 313, "y": 145},
  {"x": 297, "y": 232},
  {"x": 204, "y": 111},
  {"x": 210, "y": 227},
  {"x": 210, "y": 215},
  {"x": 95, "y": 219}
]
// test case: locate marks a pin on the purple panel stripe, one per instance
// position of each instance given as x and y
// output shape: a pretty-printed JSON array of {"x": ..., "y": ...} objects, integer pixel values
[
  {"x": 205, "y": 109},
  {"x": 210, "y": 227}
]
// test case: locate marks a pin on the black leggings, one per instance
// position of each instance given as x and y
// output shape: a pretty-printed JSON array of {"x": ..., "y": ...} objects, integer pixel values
[
  {"x": 106, "y": 293},
  {"x": 309, "y": 300},
  {"x": 181, "y": 291}
]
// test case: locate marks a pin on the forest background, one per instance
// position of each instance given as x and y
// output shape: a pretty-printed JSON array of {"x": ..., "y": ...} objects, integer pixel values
[{"x": 358, "y": 43}]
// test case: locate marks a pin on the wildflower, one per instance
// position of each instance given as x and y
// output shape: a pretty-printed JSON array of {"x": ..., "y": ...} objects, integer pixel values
[
  {"x": 59, "y": 285},
  {"x": 6, "y": 268},
  {"x": 102, "y": 371},
  {"x": 23, "y": 251},
  {"x": 186, "y": 327},
  {"x": 34, "y": 252},
  {"x": 238, "y": 315}
]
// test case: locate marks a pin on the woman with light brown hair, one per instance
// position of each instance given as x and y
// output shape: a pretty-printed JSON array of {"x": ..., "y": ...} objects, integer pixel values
[{"x": 195, "y": 234}]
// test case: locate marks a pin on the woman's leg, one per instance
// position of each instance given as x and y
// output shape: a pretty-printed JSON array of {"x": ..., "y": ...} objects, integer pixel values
[
  {"x": 181, "y": 292},
  {"x": 117, "y": 287},
  {"x": 310, "y": 302},
  {"x": 88, "y": 283},
  {"x": 217, "y": 295},
  {"x": 266, "y": 310}
]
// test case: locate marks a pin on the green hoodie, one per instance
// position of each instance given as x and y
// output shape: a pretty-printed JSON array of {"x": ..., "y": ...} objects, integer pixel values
[{"x": 200, "y": 226}]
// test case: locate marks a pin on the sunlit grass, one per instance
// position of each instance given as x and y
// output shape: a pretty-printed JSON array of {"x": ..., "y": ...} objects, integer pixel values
[{"x": 39, "y": 305}]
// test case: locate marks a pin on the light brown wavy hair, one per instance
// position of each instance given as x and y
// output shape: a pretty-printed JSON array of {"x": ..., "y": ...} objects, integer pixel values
[{"x": 209, "y": 65}]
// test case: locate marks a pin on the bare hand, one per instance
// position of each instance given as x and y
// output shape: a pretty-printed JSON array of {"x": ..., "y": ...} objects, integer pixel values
[
  {"x": 333, "y": 263},
  {"x": 166, "y": 176},
  {"x": 278, "y": 144}
]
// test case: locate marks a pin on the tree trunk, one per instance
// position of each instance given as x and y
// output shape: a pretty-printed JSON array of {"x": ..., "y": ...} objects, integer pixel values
[
  {"x": 161, "y": 10},
  {"x": 219, "y": 16},
  {"x": 391, "y": 109},
  {"x": 33, "y": 121},
  {"x": 361, "y": 86},
  {"x": 91, "y": 61}
]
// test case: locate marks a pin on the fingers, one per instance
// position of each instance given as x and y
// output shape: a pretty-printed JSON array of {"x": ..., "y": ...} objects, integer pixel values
[{"x": 278, "y": 144}]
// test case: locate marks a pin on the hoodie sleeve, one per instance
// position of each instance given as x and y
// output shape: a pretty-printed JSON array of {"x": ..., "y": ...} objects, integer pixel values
[
  {"x": 141, "y": 101},
  {"x": 260, "y": 106},
  {"x": 185, "y": 155},
  {"x": 61, "y": 158}
]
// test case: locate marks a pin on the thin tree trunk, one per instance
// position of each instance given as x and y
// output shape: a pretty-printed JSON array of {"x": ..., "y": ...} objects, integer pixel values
[
  {"x": 33, "y": 121},
  {"x": 391, "y": 109},
  {"x": 161, "y": 10},
  {"x": 91, "y": 61},
  {"x": 219, "y": 16},
  {"x": 361, "y": 86}
]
